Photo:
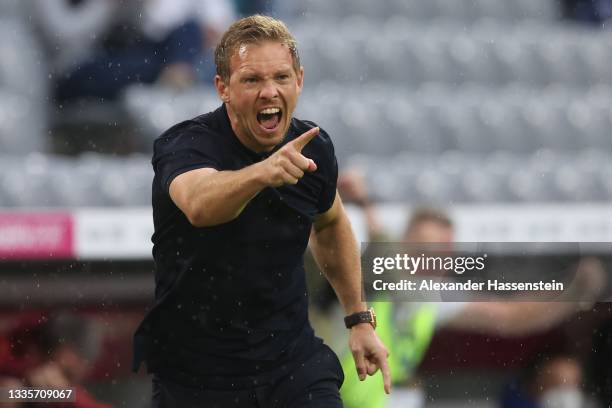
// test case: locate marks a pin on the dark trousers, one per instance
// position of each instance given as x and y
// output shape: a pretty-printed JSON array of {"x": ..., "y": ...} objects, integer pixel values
[{"x": 315, "y": 383}]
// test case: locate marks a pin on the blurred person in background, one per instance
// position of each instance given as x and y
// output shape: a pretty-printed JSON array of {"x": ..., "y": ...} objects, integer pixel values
[
  {"x": 11, "y": 384},
  {"x": 52, "y": 352},
  {"x": 68, "y": 347},
  {"x": 408, "y": 327},
  {"x": 588, "y": 11},
  {"x": 551, "y": 380},
  {"x": 96, "y": 48},
  {"x": 249, "y": 7}
]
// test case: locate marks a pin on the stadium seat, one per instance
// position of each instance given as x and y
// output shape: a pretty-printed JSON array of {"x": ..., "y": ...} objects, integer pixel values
[
  {"x": 42, "y": 181},
  {"x": 546, "y": 10},
  {"x": 419, "y": 10},
  {"x": 486, "y": 52},
  {"x": 23, "y": 91},
  {"x": 11, "y": 9},
  {"x": 414, "y": 9},
  {"x": 156, "y": 108},
  {"x": 21, "y": 123}
]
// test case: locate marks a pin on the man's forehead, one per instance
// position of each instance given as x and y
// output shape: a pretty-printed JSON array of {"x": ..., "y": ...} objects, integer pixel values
[
  {"x": 269, "y": 45},
  {"x": 257, "y": 54}
]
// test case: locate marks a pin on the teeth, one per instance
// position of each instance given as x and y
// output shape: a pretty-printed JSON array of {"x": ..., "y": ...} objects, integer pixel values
[{"x": 270, "y": 111}]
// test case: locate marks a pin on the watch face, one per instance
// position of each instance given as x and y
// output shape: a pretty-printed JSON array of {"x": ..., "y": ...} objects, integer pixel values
[{"x": 373, "y": 320}]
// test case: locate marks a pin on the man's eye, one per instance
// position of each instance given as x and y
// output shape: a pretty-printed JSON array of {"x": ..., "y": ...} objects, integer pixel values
[
  {"x": 250, "y": 80},
  {"x": 283, "y": 77}
]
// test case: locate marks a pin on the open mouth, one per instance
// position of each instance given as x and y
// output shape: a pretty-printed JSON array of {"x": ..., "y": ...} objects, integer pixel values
[{"x": 269, "y": 118}]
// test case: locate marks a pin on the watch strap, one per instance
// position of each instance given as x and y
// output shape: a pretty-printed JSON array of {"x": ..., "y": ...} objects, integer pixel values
[{"x": 367, "y": 316}]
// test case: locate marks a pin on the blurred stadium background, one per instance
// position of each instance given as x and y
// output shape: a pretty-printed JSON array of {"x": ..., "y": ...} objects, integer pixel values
[{"x": 498, "y": 110}]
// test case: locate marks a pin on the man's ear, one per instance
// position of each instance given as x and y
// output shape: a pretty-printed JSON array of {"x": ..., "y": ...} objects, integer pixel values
[
  {"x": 222, "y": 89},
  {"x": 300, "y": 79}
]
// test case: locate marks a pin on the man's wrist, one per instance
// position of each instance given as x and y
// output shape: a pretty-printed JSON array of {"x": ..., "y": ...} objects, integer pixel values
[
  {"x": 361, "y": 327},
  {"x": 260, "y": 176}
]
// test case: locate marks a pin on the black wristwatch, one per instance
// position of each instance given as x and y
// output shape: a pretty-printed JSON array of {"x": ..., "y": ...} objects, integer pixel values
[{"x": 367, "y": 316}]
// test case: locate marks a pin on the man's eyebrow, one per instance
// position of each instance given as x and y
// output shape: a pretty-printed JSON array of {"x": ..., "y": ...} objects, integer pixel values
[
  {"x": 249, "y": 72},
  {"x": 244, "y": 72}
]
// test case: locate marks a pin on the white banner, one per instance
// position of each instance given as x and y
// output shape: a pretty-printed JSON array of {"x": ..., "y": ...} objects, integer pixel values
[{"x": 113, "y": 233}]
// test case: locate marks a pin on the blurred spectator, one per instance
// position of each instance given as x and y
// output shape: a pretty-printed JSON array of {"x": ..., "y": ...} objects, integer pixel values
[
  {"x": 550, "y": 381},
  {"x": 69, "y": 345},
  {"x": 10, "y": 383},
  {"x": 407, "y": 327},
  {"x": 588, "y": 11},
  {"x": 97, "y": 48},
  {"x": 248, "y": 7},
  {"x": 55, "y": 353}
]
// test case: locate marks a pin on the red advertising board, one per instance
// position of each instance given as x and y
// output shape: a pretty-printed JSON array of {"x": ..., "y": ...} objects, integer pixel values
[{"x": 36, "y": 235}]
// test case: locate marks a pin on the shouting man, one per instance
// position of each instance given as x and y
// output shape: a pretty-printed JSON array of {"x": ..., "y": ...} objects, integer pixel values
[{"x": 236, "y": 195}]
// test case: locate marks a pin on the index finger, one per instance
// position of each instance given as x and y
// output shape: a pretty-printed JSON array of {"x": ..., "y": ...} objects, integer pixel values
[
  {"x": 386, "y": 373},
  {"x": 305, "y": 138}
]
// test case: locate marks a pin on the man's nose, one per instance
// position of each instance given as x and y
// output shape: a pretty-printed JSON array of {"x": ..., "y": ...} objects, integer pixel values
[{"x": 268, "y": 90}]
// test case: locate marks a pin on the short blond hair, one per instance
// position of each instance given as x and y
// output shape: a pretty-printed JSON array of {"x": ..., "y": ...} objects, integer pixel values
[{"x": 251, "y": 30}]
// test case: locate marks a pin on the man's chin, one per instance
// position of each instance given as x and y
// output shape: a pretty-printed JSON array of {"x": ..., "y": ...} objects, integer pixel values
[
  {"x": 266, "y": 142},
  {"x": 269, "y": 143},
  {"x": 271, "y": 139}
]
